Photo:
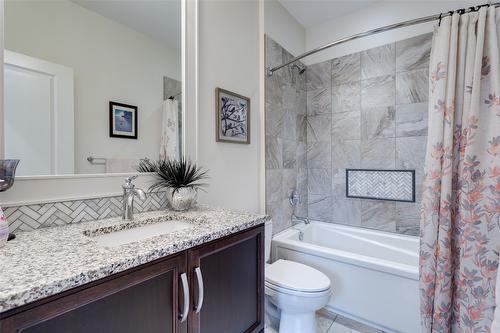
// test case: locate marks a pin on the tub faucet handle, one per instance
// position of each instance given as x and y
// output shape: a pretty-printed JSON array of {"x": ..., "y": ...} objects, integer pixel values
[{"x": 294, "y": 197}]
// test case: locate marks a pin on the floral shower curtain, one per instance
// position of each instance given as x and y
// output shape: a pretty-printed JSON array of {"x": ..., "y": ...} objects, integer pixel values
[
  {"x": 169, "y": 145},
  {"x": 460, "y": 228}
]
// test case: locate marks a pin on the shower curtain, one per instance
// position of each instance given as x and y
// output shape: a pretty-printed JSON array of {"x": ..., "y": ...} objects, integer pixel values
[
  {"x": 460, "y": 228},
  {"x": 169, "y": 145}
]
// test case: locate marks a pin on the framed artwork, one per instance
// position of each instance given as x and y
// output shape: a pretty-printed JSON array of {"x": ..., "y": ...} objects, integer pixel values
[
  {"x": 122, "y": 120},
  {"x": 232, "y": 117}
]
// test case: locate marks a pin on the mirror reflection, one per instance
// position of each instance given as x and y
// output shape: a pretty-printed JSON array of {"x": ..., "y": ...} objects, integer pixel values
[{"x": 91, "y": 86}]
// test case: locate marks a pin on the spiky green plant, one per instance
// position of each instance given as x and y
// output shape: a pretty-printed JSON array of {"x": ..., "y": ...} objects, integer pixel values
[{"x": 174, "y": 174}]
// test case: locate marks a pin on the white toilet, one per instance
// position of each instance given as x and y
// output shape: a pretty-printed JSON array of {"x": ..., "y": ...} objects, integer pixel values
[{"x": 294, "y": 292}]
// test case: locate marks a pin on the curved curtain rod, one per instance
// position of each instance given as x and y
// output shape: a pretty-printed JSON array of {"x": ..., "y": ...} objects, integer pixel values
[{"x": 271, "y": 70}]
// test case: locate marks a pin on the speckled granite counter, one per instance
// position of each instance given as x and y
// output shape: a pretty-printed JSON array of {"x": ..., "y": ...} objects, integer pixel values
[{"x": 45, "y": 262}]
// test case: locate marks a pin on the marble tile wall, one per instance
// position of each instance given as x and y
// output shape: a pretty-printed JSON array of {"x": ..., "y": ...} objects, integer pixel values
[
  {"x": 286, "y": 132},
  {"x": 367, "y": 110}
]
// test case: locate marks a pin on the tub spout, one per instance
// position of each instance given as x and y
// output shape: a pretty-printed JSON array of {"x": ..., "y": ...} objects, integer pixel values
[{"x": 296, "y": 219}]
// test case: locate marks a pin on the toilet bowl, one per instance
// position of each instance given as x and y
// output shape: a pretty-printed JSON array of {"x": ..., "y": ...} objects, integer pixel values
[{"x": 297, "y": 291}]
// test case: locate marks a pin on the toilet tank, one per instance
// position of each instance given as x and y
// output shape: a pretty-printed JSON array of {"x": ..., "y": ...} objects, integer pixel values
[{"x": 268, "y": 236}]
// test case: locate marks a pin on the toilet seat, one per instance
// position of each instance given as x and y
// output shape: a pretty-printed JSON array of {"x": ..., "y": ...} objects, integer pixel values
[
  {"x": 296, "y": 279},
  {"x": 271, "y": 289}
]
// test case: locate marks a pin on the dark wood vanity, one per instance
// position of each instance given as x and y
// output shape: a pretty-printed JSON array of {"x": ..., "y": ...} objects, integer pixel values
[{"x": 217, "y": 287}]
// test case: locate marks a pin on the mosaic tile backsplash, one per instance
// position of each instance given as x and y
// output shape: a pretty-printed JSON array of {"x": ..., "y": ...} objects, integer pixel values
[
  {"x": 366, "y": 110},
  {"x": 30, "y": 217},
  {"x": 395, "y": 185}
]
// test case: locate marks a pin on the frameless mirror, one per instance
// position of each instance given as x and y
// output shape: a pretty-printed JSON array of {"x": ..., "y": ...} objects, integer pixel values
[{"x": 91, "y": 86}]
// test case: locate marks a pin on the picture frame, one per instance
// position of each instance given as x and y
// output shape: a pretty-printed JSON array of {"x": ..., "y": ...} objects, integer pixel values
[
  {"x": 122, "y": 120},
  {"x": 232, "y": 117}
]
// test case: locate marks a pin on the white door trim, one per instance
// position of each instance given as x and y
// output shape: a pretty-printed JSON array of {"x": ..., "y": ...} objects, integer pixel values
[{"x": 63, "y": 123}]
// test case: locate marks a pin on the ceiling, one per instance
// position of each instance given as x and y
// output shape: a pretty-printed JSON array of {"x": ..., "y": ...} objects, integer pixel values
[
  {"x": 159, "y": 19},
  {"x": 312, "y": 12}
]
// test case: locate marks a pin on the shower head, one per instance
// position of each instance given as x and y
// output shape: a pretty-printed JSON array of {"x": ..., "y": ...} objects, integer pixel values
[{"x": 300, "y": 68}]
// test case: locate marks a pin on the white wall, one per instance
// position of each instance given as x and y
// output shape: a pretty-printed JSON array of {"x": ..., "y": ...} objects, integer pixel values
[
  {"x": 228, "y": 57},
  {"x": 283, "y": 28},
  {"x": 110, "y": 62},
  {"x": 380, "y": 14}
]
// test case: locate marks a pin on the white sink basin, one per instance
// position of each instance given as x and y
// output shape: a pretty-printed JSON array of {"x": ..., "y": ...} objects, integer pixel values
[{"x": 120, "y": 237}]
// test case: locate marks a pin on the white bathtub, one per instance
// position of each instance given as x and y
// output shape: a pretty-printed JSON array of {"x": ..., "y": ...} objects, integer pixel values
[{"x": 374, "y": 274}]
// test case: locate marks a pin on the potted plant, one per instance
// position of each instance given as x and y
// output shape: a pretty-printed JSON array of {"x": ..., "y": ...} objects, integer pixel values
[{"x": 180, "y": 178}]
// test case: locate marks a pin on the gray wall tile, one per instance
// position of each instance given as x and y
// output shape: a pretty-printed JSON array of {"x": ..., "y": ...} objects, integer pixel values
[
  {"x": 274, "y": 180},
  {"x": 345, "y": 154},
  {"x": 319, "y": 181},
  {"x": 274, "y": 53},
  {"x": 379, "y": 215},
  {"x": 274, "y": 152},
  {"x": 319, "y": 155},
  {"x": 413, "y": 53},
  {"x": 319, "y": 101},
  {"x": 346, "y": 97},
  {"x": 375, "y": 103},
  {"x": 286, "y": 133},
  {"x": 346, "y": 125},
  {"x": 301, "y": 128},
  {"x": 274, "y": 89},
  {"x": 289, "y": 125},
  {"x": 319, "y": 207},
  {"x": 378, "y": 123},
  {"x": 378, "y": 91},
  {"x": 274, "y": 120},
  {"x": 412, "y": 87},
  {"x": 346, "y": 69},
  {"x": 302, "y": 184},
  {"x": 319, "y": 128},
  {"x": 289, "y": 154},
  {"x": 319, "y": 75},
  {"x": 378, "y": 61},
  {"x": 301, "y": 155},
  {"x": 410, "y": 154},
  {"x": 289, "y": 182},
  {"x": 408, "y": 218},
  {"x": 275, "y": 210},
  {"x": 345, "y": 210},
  {"x": 411, "y": 119},
  {"x": 378, "y": 153},
  {"x": 289, "y": 98}
]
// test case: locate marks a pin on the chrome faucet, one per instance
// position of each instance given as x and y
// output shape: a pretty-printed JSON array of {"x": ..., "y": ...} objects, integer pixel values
[
  {"x": 129, "y": 193},
  {"x": 296, "y": 219}
]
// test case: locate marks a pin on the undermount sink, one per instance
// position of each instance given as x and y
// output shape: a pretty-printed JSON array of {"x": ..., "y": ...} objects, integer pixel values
[{"x": 141, "y": 232}]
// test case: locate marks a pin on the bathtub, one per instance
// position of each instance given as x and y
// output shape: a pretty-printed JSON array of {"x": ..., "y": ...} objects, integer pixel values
[{"x": 374, "y": 274}]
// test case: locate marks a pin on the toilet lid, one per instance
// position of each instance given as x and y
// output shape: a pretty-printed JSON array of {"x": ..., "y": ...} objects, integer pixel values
[{"x": 295, "y": 276}]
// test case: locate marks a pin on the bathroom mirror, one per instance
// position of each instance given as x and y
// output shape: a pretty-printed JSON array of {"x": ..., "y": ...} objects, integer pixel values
[{"x": 91, "y": 86}]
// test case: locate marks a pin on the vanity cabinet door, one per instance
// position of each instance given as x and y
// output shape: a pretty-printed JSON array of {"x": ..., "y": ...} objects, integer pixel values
[
  {"x": 146, "y": 299},
  {"x": 230, "y": 274}
]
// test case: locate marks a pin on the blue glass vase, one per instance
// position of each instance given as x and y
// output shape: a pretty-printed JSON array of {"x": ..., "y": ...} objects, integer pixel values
[{"x": 7, "y": 176}]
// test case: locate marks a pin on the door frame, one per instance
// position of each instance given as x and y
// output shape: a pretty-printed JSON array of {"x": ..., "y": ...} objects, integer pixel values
[{"x": 62, "y": 109}]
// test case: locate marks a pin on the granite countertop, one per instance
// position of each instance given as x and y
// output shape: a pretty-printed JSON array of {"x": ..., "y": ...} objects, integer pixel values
[{"x": 47, "y": 261}]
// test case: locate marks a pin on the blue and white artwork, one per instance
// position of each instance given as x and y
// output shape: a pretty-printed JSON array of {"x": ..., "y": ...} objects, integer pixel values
[
  {"x": 232, "y": 117},
  {"x": 122, "y": 120}
]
